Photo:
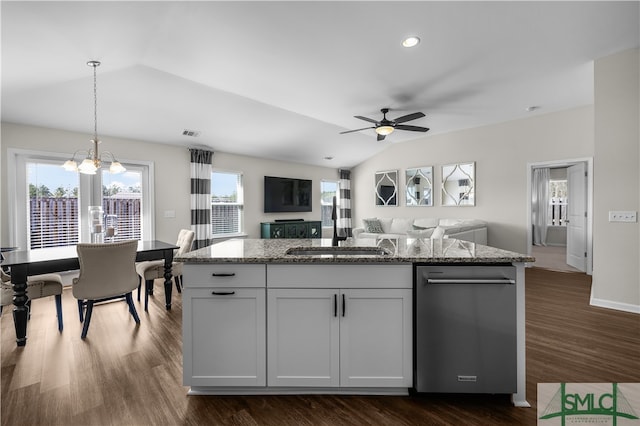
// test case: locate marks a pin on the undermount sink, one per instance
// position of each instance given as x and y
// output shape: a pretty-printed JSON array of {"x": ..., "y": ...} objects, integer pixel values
[{"x": 337, "y": 251}]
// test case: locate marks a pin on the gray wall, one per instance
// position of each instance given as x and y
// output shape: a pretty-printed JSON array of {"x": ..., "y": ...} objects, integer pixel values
[
  {"x": 172, "y": 181},
  {"x": 616, "y": 249},
  {"x": 501, "y": 153}
]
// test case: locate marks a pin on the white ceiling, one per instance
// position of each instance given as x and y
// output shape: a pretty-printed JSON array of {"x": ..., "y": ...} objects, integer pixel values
[{"x": 282, "y": 79}]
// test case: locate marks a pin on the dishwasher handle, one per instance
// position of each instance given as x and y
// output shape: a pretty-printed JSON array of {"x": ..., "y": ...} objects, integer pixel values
[{"x": 469, "y": 281}]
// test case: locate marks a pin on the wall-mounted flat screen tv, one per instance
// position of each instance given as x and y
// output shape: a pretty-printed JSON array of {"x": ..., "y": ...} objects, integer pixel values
[{"x": 287, "y": 195}]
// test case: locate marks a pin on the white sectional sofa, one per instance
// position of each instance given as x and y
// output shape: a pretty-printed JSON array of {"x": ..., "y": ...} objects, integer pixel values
[{"x": 463, "y": 229}]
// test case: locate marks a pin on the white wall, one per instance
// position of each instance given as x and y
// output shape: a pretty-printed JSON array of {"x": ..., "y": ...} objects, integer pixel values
[
  {"x": 172, "y": 181},
  {"x": 501, "y": 153},
  {"x": 616, "y": 254}
]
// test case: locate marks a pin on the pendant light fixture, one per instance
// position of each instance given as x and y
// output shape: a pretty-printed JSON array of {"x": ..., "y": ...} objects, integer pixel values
[{"x": 93, "y": 159}]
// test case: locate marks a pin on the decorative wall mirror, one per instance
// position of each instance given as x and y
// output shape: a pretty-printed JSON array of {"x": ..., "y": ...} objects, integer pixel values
[
  {"x": 419, "y": 189},
  {"x": 386, "y": 188},
  {"x": 458, "y": 184}
]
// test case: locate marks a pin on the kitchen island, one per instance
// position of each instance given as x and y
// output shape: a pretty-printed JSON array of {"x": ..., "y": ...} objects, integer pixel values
[{"x": 295, "y": 316}]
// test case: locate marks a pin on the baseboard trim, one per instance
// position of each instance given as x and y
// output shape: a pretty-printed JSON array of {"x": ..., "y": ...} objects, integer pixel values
[{"x": 618, "y": 306}]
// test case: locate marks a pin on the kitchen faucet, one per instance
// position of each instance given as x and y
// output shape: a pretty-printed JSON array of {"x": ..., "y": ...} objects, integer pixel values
[{"x": 334, "y": 217}]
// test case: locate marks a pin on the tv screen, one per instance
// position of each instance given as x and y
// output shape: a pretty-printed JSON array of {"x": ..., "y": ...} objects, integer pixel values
[{"x": 286, "y": 195}]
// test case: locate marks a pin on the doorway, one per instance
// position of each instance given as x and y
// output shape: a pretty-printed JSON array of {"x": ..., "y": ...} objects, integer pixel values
[{"x": 559, "y": 214}]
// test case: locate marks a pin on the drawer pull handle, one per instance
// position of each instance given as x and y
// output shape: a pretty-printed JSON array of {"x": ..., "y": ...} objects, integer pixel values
[
  {"x": 344, "y": 306},
  {"x": 223, "y": 293},
  {"x": 224, "y": 274},
  {"x": 335, "y": 305},
  {"x": 470, "y": 281}
]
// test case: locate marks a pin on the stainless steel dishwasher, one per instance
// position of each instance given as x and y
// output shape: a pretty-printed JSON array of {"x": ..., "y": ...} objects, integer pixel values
[{"x": 465, "y": 329}]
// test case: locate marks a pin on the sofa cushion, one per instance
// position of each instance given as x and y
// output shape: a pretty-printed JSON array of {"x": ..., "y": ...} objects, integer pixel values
[
  {"x": 425, "y": 223},
  {"x": 400, "y": 226},
  {"x": 420, "y": 233},
  {"x": 372, "y": 226}
]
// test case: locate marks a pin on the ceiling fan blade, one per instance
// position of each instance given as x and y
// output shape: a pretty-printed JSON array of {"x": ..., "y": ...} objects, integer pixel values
[
  {"x": 370, "y": 120},
  {"x": 409, "y": 117},
  {"x": 381, "y": 137},
  {"x": 356, "y": 130},
  {"x": 411, "y": 128}
]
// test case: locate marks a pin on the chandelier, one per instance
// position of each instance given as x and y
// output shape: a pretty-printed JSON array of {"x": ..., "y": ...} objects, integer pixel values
[{"x": 93, "y": 159}]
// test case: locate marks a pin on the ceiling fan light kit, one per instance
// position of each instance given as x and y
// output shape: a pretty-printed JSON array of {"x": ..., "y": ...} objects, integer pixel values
[{"x": 384, "y": 130}]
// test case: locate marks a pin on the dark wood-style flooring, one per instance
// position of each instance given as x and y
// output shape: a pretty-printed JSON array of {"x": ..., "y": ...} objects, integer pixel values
[{"x": 124, "y": 374}]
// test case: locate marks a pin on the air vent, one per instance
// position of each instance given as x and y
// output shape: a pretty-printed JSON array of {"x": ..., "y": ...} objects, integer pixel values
[{"x": 192, "y": 133}]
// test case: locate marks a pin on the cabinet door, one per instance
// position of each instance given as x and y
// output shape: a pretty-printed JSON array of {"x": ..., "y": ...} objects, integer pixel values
[
  {"x": 376, "y": 338},
  {"x": 303, "y": 330},
  {"x": 277, "y": 230},
  {"x": 224, "y": 337}
]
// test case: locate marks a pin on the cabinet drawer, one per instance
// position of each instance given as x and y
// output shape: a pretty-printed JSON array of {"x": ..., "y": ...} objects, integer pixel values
[
  {"x": 340, "y": 276},
  {"x": 224, "y": 275}
]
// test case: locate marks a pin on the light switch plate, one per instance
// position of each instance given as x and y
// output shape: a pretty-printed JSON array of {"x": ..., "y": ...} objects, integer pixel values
[
  {"x": 169, "y": 213},
  {"x": 623, "y": 216}
]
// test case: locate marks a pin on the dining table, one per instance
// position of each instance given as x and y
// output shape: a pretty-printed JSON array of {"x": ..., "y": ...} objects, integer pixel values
[{"x": 24, "y": 263}]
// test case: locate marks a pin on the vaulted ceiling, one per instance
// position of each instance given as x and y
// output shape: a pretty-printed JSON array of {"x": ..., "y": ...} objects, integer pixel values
[{"x": 282, "y": 79}]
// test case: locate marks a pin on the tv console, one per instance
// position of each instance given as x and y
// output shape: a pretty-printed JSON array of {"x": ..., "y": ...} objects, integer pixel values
[{"x": 295, "y": 228}]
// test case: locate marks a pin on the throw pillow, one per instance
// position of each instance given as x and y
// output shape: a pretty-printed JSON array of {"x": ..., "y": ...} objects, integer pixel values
[{"x": 372, "y": 225}]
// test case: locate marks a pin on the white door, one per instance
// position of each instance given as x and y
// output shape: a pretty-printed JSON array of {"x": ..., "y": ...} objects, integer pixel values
[
  {"x": 376, "y": 338},
  {"x": 577, "y": 217},
  {"x": 303, "y": 337}
]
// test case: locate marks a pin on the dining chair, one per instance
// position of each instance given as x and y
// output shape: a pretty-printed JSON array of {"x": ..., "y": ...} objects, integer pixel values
[
  {"x": 38, "y": 286},
  {"x": 107, "y": 271},
  {"x": 151, "y": 270}
]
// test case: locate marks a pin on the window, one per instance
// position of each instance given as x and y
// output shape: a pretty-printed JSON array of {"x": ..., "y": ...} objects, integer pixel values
[
  {"x": 557, "y": 202},
  {"x": 328, "y": 190},
  {"x": 227, "y": 200},
  {"x": 51, "y": 204},
  {"x": 122, "y": 198}
]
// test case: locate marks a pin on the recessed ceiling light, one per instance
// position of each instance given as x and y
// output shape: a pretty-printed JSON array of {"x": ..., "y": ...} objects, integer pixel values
[
  {"x": 411, "y": 41},
  {"x": 533, "y": 108},
  {"x": 328, "y": 157}
]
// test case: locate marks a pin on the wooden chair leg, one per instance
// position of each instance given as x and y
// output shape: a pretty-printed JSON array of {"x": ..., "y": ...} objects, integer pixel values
[
  {"x": 87, "y": 319},
  {"x": 139, "y": 286},
  {"x": 178, "y": 280},
  {"x": 59, "y": 310},
  {"x": 132, "y": 308}
]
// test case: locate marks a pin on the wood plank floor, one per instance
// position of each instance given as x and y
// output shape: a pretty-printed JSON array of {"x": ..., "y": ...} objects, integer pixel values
[{"x": 124, "y": 374}]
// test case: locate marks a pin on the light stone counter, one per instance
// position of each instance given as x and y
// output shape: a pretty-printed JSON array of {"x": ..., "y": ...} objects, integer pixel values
[{"x": 401, "y": 250}]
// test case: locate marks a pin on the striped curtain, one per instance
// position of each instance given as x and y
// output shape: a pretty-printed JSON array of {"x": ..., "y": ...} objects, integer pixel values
[
  {"x": 201, "y": 196},
  {"x": 344, "y": 221}
]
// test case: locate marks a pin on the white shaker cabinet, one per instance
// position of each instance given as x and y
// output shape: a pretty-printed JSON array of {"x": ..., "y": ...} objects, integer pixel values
[
  {"x": 376, "y": 338},
  {"x": 303, "y": 346},
  {"x": 224, "y": 337},
  {"x": 339, "y": 337}
]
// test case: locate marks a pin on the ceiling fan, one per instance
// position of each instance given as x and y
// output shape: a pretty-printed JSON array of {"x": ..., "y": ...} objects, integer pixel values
[{"x": 385, "y": 127}]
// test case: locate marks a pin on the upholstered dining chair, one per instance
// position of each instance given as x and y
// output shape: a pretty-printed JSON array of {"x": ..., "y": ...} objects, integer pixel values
[
  {"x": 151, "y": 270},
  {"x": 38, "y": 286},
  {"x": 107, "y": 271}
]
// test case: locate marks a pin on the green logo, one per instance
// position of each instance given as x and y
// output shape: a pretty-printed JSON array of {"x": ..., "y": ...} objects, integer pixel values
[{"x": 588, "y": 404}]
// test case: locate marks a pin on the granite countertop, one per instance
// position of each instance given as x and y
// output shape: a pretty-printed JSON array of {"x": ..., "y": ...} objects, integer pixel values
[{"x": 400, "y": 250}]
